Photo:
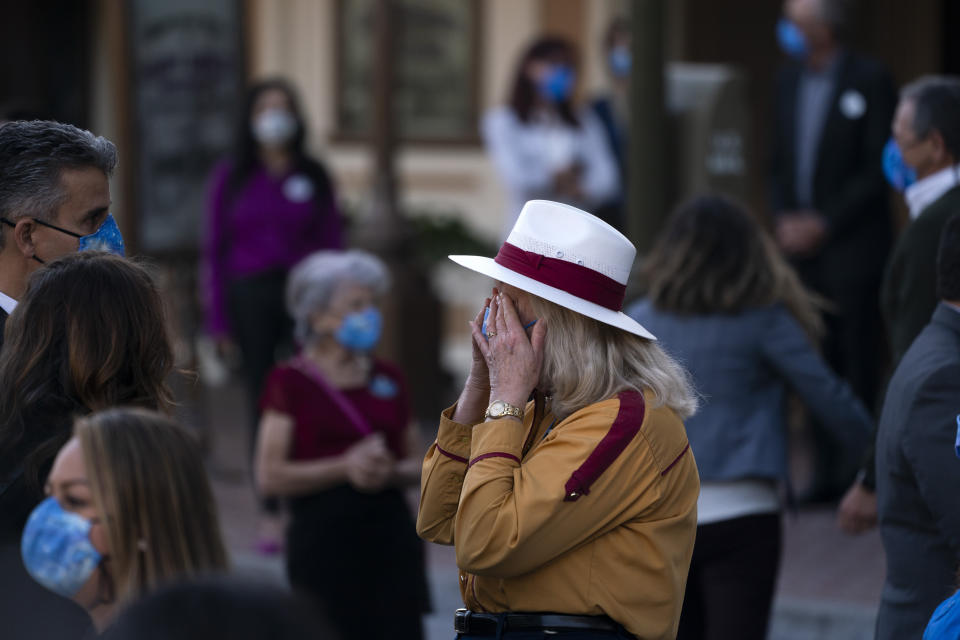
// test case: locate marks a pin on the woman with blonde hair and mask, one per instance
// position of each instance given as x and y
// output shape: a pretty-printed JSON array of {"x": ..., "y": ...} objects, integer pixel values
[
  {"x": 725, "y": 303},
  {"x": 88, "y": 334},
  {"x": 128, "y": 509},
  {"x": 562, "y": 475}
]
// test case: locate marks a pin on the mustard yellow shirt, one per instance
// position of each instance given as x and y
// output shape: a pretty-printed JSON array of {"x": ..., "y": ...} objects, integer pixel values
[{"x": 597, "y": 517}]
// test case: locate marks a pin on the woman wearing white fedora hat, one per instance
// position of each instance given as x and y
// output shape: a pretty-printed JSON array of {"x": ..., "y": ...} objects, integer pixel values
[{"x": 563, "y": 474}]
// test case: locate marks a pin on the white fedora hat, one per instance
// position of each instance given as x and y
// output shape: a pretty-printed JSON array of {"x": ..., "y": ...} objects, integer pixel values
[{"x": 566, "y": 256}]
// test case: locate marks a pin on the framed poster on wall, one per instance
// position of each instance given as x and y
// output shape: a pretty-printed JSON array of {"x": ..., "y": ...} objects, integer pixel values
[
  {"x": 187, "y": 81},
  {"x": 438, "y": 70}
]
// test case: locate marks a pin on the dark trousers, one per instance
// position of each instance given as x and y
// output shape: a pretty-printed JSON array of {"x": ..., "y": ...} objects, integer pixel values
[
  {"x": 853, "y": 347},
  {"x": 263, "y": 332},
  {"x": 732, "y": 579}
]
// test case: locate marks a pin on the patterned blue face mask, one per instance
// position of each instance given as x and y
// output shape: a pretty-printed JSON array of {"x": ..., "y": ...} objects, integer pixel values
[
  {"x": 791, "y": 40},
  {"x": 898, "y": 173},
  {"x": 486, "y": 316},
  {"x": 106, "y": 238},
  {"x": 557, "y": 84},
  {"x": 56, "y": 548},
  {"x": 360, "y": 331}
]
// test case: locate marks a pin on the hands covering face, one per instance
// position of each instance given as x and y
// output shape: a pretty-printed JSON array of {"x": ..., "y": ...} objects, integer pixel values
[{"x": 512, "y": 361}]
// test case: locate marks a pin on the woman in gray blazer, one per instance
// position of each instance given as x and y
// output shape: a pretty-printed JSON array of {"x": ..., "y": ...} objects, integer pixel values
[{"x": 723, "y": 301}]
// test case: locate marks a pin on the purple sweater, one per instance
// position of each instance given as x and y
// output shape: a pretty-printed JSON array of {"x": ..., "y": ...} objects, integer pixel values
[{"x": 271, "y": 224}]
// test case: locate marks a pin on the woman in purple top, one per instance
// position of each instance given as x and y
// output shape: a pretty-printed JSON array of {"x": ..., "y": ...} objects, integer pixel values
[{"x": 270, "y": 205}]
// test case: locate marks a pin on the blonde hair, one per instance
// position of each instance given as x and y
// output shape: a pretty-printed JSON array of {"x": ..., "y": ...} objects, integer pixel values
[
  {"x": 147, "y": 480},
  {"x": 586, "y": 361}
]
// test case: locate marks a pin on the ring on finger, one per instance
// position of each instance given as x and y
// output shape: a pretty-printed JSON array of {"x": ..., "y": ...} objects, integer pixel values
[{"x": 491, "y": 334}]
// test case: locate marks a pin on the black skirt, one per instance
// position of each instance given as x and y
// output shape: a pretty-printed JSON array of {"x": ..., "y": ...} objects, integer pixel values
[{"x": 360, "y": 556}]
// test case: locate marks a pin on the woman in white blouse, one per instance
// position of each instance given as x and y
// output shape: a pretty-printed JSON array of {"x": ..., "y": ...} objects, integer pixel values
[{"x": 542, "y": 146}]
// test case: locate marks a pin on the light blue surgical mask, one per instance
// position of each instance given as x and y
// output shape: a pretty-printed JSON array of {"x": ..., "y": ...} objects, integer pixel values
[
  {"x": 56, "y": 548},
  {"x": 360, "y": 331},
  {"x": 486, "y": 316},
  {"x": 791, "y": 40},
  {"x": 898, "y": 173},
  {"x": 620, "y": 60},
  {"x": 557, "y": 84}
]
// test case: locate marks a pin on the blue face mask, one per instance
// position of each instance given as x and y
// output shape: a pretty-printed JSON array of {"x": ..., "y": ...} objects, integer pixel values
[
  {"x": 360, "y": 331},
  {"x": 557, "y": 84},
  {"x": 620, "y": 60},
  {"x": 898, "y": 173},
  {"x": 106, "y": 238},
  {"x": 56, "y": 548},
  {"x": 486, "y": 316},
  {"x": 791, "y": 40}
]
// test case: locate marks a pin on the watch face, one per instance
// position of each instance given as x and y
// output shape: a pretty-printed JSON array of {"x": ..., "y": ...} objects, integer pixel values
[{"x": 497, "y": 408}]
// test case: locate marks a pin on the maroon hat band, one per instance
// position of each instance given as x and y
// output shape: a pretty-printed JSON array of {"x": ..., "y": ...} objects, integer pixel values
[{"x": 575, "y": 279}]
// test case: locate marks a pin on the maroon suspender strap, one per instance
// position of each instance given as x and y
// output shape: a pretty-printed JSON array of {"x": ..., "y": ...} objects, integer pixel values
[{"x": 625, "y": 427}]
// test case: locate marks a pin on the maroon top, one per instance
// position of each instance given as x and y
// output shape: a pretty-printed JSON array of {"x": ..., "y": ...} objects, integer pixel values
[{"x": 321, "y": 428}]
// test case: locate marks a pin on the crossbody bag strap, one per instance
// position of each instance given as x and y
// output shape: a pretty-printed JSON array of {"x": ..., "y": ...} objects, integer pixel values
[{"x": 347, "y": 407}]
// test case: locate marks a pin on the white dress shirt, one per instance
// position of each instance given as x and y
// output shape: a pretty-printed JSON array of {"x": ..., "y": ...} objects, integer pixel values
[
  {"x": 528, "y": 155},
  {"x": 923, "y": 193},
  {"x": 7, "y": 303}
]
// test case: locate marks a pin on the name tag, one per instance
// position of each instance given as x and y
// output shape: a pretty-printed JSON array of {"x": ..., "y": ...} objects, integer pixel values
[
  {"x": 852, "y": 104},
  {"x": 383, "y": 387}
]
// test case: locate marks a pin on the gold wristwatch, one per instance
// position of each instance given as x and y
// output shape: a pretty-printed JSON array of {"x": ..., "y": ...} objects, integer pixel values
[{"x": 499, "y": 409}]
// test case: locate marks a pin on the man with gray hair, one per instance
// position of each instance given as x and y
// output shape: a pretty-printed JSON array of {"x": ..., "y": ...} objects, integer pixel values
[
  {"x": 922, "y": 161},
  {"x": 54, "y": 194},
  {"x": 831, "y": 211}
]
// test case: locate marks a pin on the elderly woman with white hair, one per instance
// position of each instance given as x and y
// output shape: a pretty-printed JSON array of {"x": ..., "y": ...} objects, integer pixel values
[
  {"x": 563, "y": 475},
  {"x": 336, "y": 438}
]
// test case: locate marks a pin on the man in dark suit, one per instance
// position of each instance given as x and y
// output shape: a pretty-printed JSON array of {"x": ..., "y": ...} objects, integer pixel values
[
  {"x": 54, "y": 188},
  {"x": 926, "y": 130},
  {"x": 832, "y": 118},
  {"x": 917, "y": 471}
]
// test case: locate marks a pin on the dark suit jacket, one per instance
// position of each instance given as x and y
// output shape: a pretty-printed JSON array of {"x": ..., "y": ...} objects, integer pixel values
[
  {"x": 918, "y": 476},
  {"x": 909, "y": 293},
  {"x": 848, "y": 184}
]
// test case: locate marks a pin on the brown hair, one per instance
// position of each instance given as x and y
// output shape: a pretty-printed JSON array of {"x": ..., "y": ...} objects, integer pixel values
[
  {"x": 713, "y": 257},
  {"x": 523, "y": 95},
  {"x": 148, "y": 482},
  {"x": 88, "y": 334}
]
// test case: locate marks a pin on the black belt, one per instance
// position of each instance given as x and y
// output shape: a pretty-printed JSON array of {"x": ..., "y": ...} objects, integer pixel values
[{"x": 483, "y": 624}]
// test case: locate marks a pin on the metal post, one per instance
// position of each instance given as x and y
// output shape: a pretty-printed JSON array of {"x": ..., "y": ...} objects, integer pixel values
[
  {"x": 647, "y": 161},
  {"x": 383, "y": 229}
]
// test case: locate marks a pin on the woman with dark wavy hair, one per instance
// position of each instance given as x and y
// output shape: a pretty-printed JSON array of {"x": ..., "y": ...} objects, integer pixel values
[
  {"x": 271, "y": 204},
  {"x": 88, "y": 334},
  {"x": 541, "y": 143},
  {"x": 725, "y": 303}
]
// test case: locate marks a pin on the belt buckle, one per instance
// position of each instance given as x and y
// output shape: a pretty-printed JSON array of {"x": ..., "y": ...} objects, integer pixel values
[{"x": 461, "y": 620}]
